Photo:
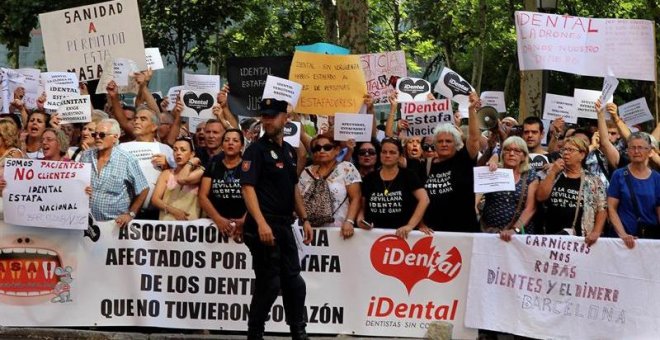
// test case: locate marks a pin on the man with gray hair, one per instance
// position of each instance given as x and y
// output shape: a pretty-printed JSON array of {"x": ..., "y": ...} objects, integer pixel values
[{"x": 118, "y": 186}]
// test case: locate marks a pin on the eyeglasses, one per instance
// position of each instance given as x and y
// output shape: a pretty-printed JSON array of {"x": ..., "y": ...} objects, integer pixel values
[
  {"x": 428, "y": 147},
  {"x": 324, "y": 147},
  {"x": 367, "y": 152},
  {"x": 101, "y": 135},
  {"x": 513, "y": 151},
  {"x": 638, "y": 148},
  {"x": 568, "y": 150}
]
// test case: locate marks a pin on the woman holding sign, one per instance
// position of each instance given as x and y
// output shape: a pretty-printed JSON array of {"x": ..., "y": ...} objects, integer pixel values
[
  {"x": 450, "y": 179},
  {"x": 54, "y": 145},
  {"x": 392, "y": 197},
  {"x": 509, "y": 212},
  {"x": 634, "y": 194},
  {"x": 37, "y": 123},
  {"x": 175, "y": 194},
  {"x": 574, "y": 198}
]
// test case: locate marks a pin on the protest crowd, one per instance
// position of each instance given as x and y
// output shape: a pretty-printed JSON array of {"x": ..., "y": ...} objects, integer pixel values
[{"x": 473, "y": 172}]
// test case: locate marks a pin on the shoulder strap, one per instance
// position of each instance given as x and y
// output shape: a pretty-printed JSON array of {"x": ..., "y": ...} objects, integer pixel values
[
  {"x": 626, "y": 175},
  {"x": 521, "y": 198},
  {"x": 429, "y": 163},
  {"x": 577, "y": 204}
]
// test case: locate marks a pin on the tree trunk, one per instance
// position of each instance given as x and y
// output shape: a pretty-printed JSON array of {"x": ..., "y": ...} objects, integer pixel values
[
  {"x": 396, "y": 9},
  {"x": 510, "y": 74},
  {"x": 17, "y": 55},
  {"x": 329, "y": 11},
  {"x": 353, "y": 24},
  {"x": 531, "y": 84}
]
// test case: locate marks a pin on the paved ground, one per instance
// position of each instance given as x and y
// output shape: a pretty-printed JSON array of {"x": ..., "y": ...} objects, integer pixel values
[{"x": 103, "y": 334}]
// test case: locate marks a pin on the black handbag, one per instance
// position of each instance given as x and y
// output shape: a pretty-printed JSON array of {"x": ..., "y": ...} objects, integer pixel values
[{"x": 644, "y": 230}]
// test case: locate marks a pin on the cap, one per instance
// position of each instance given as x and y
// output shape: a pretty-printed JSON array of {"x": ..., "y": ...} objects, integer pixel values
[{"x": 272, "y": 107}]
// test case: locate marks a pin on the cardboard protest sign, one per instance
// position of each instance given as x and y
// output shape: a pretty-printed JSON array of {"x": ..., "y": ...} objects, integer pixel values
[
  {"x": 153, "y": 58},
  {"x": 494, "y": 99},
  {"x": 201, "y": 82},
  {"x": 323, "y": 48},
  {"x": 423, "y": 117},
  {"x": 559, "y": 106},
  {"x": 247, "y": 77},
  {"x": 585, "y": 103},
  {"x": 635, "y": 112},
  {"x": 412, "y": 90},
  {"x": 454, "y": 87},
  {"x": 587, "y": 46},
  {"x": 331, "y": 83},
  {"x": 81, "y": 39},
  {"x": 59, "y": 85},
  {"x": 47, "y": 194},
  {"x": 353, "y": 126},
  {"x": 77, "y": 109},
  {"x": 381, "y": 72},
  {"x": 198, "y": 104},
  {"x": 282, "y": 89}
]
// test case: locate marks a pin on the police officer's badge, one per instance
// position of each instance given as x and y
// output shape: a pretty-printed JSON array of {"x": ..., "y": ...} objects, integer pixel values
[
  {"x": 246, "y": 166},
  {"x": 273, "y": 154}
]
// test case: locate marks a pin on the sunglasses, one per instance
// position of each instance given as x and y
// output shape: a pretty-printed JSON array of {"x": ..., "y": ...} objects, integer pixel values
[
  {"x": 428, "y": 147},
  {"x": 101, "y": 135},
  {"x": 367, "y": 152},
  {"x": 324, "y": 147}
]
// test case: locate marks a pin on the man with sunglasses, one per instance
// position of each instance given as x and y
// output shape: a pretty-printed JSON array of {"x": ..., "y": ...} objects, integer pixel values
[
  {"x": 269, "y": 186},
  {"x": 118, "y": 186}
]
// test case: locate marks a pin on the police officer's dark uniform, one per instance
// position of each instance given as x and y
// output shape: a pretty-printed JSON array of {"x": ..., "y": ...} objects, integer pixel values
[{"x": 271, "y": 170}]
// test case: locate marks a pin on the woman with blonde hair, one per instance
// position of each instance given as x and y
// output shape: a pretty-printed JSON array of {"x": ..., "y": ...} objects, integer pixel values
[
  {"x": 510, "y": 212},
  {"x": 574, "y": 198}
]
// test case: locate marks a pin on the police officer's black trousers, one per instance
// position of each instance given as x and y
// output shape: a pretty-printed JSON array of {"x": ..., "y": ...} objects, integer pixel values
[{"x": 275, "y": 268}]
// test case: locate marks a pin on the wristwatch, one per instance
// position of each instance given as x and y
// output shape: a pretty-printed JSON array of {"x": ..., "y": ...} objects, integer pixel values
[{"x": 131, "y": 214}]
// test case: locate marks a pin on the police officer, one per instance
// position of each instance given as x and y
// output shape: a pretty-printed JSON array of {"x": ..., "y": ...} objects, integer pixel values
[{"x": 268, "y": 184}]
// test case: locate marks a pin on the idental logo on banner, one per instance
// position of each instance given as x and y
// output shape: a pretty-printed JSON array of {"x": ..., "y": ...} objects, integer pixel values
[{"x": 392, "y": 256}]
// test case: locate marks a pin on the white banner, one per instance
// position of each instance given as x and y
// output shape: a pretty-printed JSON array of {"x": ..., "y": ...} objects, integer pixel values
[
  {"x": 423, "y": 117},
  {"x": 47, "y": 194},
  {"x": 622, "y": 48},
  {"x": 81, "y": 39},
  {"x": 186, "y": 275},
  {"x": 557, "y": 287},
  {"x": 381, "y": 72}
]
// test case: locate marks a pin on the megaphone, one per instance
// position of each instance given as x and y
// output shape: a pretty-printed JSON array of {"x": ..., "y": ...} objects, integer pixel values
[{"x": 487, "y": 117}]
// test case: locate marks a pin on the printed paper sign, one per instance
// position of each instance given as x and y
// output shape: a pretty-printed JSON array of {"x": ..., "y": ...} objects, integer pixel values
[
  {"x": 26, "y": 79},
  {"x": 59, "y": 85},
  {"x": 144, "y": 152},
  {"x": 381, "y": 71},
  {"x": 557, "y": 287},
  {"x": 292, "y": 133},
  {"x": 635, "y": 112},
  {"x": 119, "y": 70},
  {"x": 491, "y": 181},
  {"x": 76, "y": 109},
  {"x": 585, "y": 103},
  {"x": 559, "y": 106},
  {"x": 81, "y": 39},
  {"x": 122, "y": 69},
  {"x": 454, "y": 87},
  {"x": 423, "y": 117},
  {"x": 609, "y": 86},
  {"x": 197, "y": 82},
  {"x": 172, "y": 95},
  {"x": 198, "y": 104},
  {"x": 494, "y": 99},
  {"x": 353, "y": 126},
  {"x": 48, "y": 194},
  {"x": 586, "y": 46},
  {"x": 282, "y": 89},
  {"x": 412, "y": 90},
  {"x": 247, "y": 77},
  {"x": 331, "y": 83},
  {"x": 323, "y": 48},
  {"x": 154, "y": 59}
]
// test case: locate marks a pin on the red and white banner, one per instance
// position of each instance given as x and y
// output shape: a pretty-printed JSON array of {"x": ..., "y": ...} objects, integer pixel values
[
  {"x": 556, "y": 287},
  {"x": 186, "y": 275},
  {"x": 623, "y": 48}
]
